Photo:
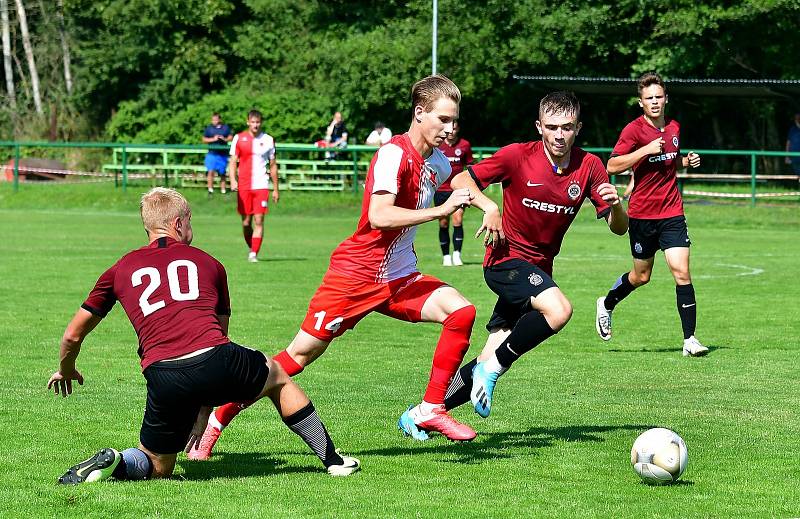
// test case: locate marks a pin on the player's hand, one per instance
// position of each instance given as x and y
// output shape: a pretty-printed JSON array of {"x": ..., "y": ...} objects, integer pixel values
[
  {"x": 694, "y": 159},
  {"x": 198, "y": 429},
  {"x": 275, "y": 196},
  {"x": 234, "y": 185},
  {"x": 61, "y": 383},
  {"x": 493, "y": 226},
  {"x": 655, "y": 147},
  {"x": 608, "y": 192},
  {"x": 459, "y": 199}
]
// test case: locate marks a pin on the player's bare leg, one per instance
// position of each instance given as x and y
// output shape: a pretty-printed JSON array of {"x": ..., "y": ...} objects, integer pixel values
[
  {"x": 678, "y": 263},
  {"x": 447, "y": 306}
]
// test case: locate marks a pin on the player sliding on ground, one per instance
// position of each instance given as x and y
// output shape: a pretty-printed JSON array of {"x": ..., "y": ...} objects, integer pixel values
[
  {"x": 375, "y": 270},
  {"x": 176, "y": 298},
  {"x": 650, "y": 145},
  {"x": 544, "y": 184}
]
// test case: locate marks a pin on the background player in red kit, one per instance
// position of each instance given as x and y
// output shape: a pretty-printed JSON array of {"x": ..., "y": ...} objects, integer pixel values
[
  {"x": 459, "y": 152},
  {"x": 375, "y": 269},
  {"x": 650, "y": 144},
  {"x": 544, "y": 184},
  {"x": 254, "y": 151},
  {"x": 176, "y": 298}
]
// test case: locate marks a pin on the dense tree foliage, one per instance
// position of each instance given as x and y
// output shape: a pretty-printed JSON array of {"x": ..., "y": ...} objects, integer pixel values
[{"x": 152, "y": 70}]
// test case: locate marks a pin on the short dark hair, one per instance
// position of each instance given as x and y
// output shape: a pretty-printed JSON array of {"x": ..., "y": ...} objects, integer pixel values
[
  {"x": 561, "y": 102},
  {"x": 379, "y": 124},
  {"x": 254, "y": 113},
  {"x": 215, "y": 114},
  {"x": 647, "y": 79}
]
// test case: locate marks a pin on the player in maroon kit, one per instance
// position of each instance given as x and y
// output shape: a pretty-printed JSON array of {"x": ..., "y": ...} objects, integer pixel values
[
  {"x": 650, "y": 145},
  {"x": 459, "y": 152},
  {"x": 375, "y": 270},
  {"x": 176, "y": 298},
  {"x": 254, "y": 151},
  {"x": 544, "y": 185}
]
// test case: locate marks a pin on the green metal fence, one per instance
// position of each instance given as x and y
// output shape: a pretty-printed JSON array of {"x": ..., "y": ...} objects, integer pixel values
[{"x": 349, "y": 166}]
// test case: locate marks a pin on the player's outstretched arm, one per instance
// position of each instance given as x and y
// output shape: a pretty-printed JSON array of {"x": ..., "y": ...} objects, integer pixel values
[
  {"x": 384, "y": 215},
  {"x": 78, "y": 328},
  {"x": 492, "y": 222},
  {"x": 620, "y": 163},
  {"x": 617, "y": 218}
]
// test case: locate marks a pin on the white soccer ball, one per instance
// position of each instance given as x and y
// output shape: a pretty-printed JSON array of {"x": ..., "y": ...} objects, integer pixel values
[{"x": 659, "y": 456}]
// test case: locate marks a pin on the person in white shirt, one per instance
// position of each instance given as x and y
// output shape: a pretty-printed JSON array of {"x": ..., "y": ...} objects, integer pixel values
[{"x": 379, "y": 136}]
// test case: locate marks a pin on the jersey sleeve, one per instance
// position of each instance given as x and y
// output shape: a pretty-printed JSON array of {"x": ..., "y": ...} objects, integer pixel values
[
  {"x": 627, "y": 142},
  {"x": 496, "y": 168},
  {"x": 226, "y": 131},
  {"x": 597, "y": 176},
  {"x": 207, "y": 132},
  {"x": 102, "y": 298},
  {"x": 224, "y": 301},
  {"x": 273, "y": 151},
  {"x": 386, "y": 169},
  {"x": 234, "y": 146}
]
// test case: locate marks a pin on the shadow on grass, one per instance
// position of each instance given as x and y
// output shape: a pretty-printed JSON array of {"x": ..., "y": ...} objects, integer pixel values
[
  {"x": 710, "y": 347},
  {"x": 489, "y": 446},
  {"x": 231, "y": 465}
]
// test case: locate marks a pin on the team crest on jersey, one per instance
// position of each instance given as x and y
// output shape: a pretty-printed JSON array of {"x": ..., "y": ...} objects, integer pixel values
[
  {"x": 458, "y": 152},
  {"x": 637, "y": 247},
  {"x": 535, "y": 279},
  {"x": 675, "y": 140},
  {"x": 574, "y": 191}
]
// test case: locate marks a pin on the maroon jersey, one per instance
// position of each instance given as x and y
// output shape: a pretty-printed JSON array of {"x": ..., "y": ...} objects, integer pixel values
[
  {"x": 460, "y": 156},
  {"x": 172, "y": 294},
  {"x": 538, "y": 204},
  {"x": 655, "y": 185}
]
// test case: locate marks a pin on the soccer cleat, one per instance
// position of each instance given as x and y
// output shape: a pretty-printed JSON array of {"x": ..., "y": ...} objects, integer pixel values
[
  {"x": 349, "y": 466},
  {"x": 693, "y": 348},
  {"x": 483, "y": 382},
  {"x": 457, "y": 259},
  {"x": 602, "y": 322},
  {"x": 441, "y": 422},
  {"x": 447, "y": 261},
  {"x": 207, "y": 442},
  {"x": 408, "y": 427},
  {"x": 97, "y": 468},
  {"x": 252, "y": 258}
]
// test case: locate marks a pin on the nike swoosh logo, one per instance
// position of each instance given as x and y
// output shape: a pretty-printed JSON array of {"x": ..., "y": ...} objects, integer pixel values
[
  {"x": 531, "y": 184},
  {"x": 687, "y": 306}
]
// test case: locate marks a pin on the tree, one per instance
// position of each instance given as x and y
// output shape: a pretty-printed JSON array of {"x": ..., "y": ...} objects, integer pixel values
[
  {"x": 12, "y": 96},
  {"x": 26, "y": 43}
]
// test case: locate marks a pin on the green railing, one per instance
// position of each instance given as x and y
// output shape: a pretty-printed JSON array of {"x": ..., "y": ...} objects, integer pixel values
[{"x": 351, "y": 155}]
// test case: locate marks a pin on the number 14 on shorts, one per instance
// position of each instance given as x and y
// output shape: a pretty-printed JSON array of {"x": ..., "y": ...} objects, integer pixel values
[{"x": 332, "y": 326}]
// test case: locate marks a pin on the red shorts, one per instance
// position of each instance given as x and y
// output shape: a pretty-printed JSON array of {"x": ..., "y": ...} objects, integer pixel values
[
  {"x": 340, "y": 302},
  {"x": 253, "y": 201}
]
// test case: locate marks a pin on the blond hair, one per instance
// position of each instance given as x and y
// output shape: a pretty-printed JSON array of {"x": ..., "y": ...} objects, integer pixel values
[
  {"x": 160, "y": 206},
  {"x": 427, "y": 91}
]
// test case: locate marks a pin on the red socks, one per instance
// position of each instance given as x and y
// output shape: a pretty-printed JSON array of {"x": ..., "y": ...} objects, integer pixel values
[
  {"x": 450, "y": 350},
  {"x": 226, "y": 413},
  {"x": 288, "y": 364},
  {"x": 256, "y": 244}
]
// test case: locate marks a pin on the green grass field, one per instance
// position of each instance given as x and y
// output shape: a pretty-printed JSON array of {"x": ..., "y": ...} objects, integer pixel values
[{"x": 557, "y": 443}]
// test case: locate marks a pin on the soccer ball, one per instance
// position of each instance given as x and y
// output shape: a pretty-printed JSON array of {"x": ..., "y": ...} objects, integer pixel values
[{"x": 659, "y": 456}]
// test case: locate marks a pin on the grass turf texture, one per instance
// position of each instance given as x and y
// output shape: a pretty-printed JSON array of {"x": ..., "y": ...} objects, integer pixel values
[{"x": 564, "y": 419}]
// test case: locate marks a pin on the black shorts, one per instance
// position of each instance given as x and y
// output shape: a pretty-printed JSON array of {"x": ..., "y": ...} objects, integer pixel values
[
  {"x": 176, "y": 390},
  {"x": 441, "y": 197},
  {"x": 648, "y": 236},
  {"x": 515, "y": 282}
]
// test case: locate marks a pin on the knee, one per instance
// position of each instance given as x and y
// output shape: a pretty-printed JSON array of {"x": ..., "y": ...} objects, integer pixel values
[
  {"x": 558, "y": 315},
  {"x": 682, "y": 277},
  {"x": 461, "y": 319},
  {"x": 162, "y": 468},
  {"x": 638, "y": 279}
]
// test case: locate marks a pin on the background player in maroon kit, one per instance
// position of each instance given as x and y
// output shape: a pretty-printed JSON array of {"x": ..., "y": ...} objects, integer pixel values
[
  {"x": 544, "y": 185},
  {"x": 176, "y": 298},
  {"x": 459, "y": 152},
  {"x": 375, "y": 270},
  {"x": 650, "y": 145},
  {"x": 254, "y": 151}
]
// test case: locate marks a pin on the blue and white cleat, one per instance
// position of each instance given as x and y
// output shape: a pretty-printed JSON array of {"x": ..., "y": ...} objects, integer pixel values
[
  {"x": 482, "y": 388},
  {"x": 97, "y": 468},
  {"x": 409, "y": 428}
]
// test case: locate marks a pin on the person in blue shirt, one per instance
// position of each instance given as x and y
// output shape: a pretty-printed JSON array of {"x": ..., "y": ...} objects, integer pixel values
[
  {"x": 217, "y": 160},
  {"x": 793, "y": 143}
]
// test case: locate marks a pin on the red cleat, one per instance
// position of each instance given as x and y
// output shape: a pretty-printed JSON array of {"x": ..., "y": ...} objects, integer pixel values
[
  {"x": 445, "y": 424},
  {"x": 207, "y": 442}
]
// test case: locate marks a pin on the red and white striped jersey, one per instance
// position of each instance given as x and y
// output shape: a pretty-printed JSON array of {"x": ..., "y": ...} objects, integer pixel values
[
  {"x": 254, "y": 154},
  {"x": 381, "y": 256}
]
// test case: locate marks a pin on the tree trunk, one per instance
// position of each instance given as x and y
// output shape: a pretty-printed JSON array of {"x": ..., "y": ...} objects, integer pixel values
[
  {"x": 12, "y": 96},
  {"x": 62, "y": 29},
  {"x": 26, "y": 43}
]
